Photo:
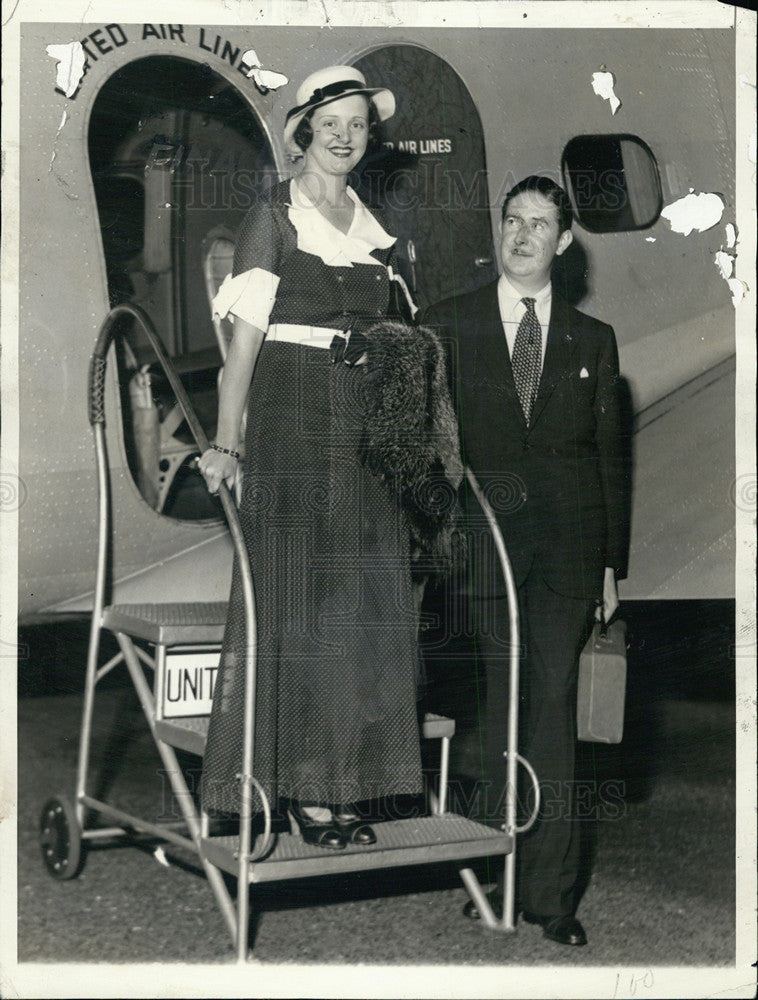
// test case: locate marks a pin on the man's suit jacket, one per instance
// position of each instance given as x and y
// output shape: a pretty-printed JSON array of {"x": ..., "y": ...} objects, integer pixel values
[{"x": 559, "y": 486}]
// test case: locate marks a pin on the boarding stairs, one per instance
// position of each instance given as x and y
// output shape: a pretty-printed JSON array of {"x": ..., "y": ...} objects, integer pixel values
[{"x": 148, "y": 635}]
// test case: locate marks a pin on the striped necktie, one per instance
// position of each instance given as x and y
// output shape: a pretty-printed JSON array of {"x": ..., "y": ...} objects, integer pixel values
[{"x": 527, "y": 357}]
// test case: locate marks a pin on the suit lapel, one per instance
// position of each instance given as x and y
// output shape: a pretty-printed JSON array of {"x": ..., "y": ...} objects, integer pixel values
[
  {"x": 493, "y": 359},
  {"x": 561, "y": 344}
]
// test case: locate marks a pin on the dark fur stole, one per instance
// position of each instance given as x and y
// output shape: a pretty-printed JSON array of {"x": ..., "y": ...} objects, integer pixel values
[{"x": 411, "y": 437}]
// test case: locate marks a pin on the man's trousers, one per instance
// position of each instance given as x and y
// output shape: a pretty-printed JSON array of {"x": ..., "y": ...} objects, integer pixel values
[{"x": 553, "y": 629}]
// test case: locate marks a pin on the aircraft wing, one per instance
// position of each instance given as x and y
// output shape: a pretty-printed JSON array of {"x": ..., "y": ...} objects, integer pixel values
[{"x": 683, "y": 515}]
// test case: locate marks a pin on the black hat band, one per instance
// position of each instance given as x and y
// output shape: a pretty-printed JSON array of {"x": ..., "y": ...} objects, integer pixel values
[{"x": 329, "y": 92}]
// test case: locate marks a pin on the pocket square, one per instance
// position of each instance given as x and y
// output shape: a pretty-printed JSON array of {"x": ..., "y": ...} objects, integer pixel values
[{"x": 584, "y": 373}]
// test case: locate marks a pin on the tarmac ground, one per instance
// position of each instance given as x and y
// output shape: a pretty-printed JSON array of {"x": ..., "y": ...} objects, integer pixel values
[{"x": 661, "y": 851}]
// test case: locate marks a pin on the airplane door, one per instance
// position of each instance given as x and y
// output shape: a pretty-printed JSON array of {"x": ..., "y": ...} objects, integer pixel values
[
  {"x": 176, "y": 156},
  {"x": 429, "y": 174}
]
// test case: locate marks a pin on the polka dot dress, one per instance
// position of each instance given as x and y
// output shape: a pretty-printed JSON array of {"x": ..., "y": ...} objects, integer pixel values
[{"x": 337, "y": 649}]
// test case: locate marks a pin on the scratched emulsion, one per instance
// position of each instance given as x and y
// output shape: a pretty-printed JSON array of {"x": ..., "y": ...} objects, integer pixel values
[
  {"x": 70, "y": 68},
  {"x": 725, "y": 260},
  {"x": 694, "y": 212},
  {"x": 265, "y": 79},
  {"x": 603, "y": 84},
  {"x": 698, "y": 213}
]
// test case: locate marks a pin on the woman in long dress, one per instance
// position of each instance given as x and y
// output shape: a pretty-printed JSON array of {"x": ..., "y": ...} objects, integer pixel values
[{"x": 336, "y": 719}]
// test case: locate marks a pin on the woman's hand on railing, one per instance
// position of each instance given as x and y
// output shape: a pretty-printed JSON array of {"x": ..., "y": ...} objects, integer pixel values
[{"x": 217, "y": 468}]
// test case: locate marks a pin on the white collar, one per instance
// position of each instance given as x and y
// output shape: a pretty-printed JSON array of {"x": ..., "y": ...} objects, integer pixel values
[
  {"x": 318, "y": 236},
  {"x": 507, "y": 291}
]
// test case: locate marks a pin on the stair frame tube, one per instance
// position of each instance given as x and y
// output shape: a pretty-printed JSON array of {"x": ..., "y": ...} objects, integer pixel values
[
  {"x": 240, "y": 925},
  {"x": 96, "y": 401}
]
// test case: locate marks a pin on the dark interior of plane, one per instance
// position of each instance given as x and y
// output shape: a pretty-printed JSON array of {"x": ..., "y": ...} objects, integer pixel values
[{"x": 177, "y": 158}]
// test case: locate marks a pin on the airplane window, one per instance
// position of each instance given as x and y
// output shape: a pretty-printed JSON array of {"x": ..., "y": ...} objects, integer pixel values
[{"x": 613, "y": 182}]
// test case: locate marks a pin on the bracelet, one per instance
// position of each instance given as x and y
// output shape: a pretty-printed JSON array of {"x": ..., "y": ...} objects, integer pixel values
[{"x": 226, "y": 451}]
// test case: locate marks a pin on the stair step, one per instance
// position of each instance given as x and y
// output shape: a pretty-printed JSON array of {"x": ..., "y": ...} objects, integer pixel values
[
  {"x": 424, "y": 840},
  {"x": 187, "y": 733},
  {"x": 168, "y": 624},
  {"x": 435, "y": 727}
]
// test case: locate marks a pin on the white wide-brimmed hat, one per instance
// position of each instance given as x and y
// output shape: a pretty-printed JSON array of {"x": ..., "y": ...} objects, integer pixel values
[{"x": 331, "y": 84}]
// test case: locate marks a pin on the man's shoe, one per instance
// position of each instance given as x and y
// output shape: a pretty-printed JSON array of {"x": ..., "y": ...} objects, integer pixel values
[
  {"x": 495, "y": 898},
  {"x": 564, "y": 930}
]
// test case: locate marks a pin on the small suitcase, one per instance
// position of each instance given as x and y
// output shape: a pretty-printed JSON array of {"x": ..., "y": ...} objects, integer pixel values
[{"x": 602, "y": 684}]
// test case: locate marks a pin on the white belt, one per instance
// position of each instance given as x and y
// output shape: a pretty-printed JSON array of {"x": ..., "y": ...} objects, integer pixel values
[{"x": 309, "y": 336}]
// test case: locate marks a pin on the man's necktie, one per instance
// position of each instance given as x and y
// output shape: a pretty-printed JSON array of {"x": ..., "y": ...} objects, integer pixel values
[{"x": 527, "y": 357}]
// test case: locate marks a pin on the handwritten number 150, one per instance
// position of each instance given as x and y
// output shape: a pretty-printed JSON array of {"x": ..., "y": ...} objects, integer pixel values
[{"x": 644, "y": 981}]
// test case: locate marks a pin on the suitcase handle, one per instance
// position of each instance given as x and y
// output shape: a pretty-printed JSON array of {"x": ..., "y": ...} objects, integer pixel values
[
  {"x": 603, "y": 630},
  {"x": 602, "y": 623}
]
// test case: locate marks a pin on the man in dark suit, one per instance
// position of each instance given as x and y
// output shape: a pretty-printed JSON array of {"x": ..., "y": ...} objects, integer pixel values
[{"x": 536, "y": 384}]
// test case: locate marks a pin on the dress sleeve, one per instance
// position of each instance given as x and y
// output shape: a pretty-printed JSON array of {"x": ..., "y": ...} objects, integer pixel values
[{"x": 249, "y": 291}]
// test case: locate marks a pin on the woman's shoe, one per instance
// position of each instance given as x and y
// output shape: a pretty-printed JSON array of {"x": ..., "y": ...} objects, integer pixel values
[
  {"x": 353, "y": 828},
  {"x": 317, "y": 833}
]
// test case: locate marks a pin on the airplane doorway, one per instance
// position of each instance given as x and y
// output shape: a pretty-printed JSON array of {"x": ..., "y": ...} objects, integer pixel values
[
  {"x": 430, "y": 174},
  {"x": 177, "y": 157}
]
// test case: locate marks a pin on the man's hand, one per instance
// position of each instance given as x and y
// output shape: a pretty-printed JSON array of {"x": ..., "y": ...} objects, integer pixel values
[{"x": 610, "y": 596}]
